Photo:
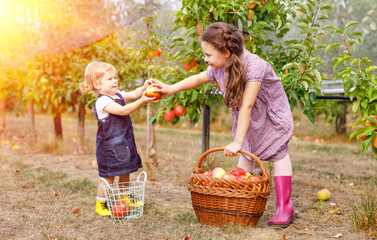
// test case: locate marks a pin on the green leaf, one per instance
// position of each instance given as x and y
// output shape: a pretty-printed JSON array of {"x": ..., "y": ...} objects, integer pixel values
[
  {"x": 340, "y": 59},
  {"x": 317, "y": 75},
  {"x": 367, "y": 141},
  {"x": 356, "y": 106},
  {"x": 330, "y": 27},
  {"x": 331, "y": 46},
  {"x": 351, "y": 23},
  {"x": 372, "y": 120},
  {"x": 355, "y": 34},
  {"x": 371, "y": 68},
  {"x": 299, "y": 46},
  {"x": 327, "y": 7}
]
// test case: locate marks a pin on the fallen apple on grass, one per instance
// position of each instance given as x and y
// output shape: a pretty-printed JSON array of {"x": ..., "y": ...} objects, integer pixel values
[{"x": 324, "y": 195}]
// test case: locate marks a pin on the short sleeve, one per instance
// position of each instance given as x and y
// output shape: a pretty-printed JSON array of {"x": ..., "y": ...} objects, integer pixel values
[
  {"x": 101, "y": 103},
  {"x": 123, "y": 93},
  {"x": 211, "y": 74},
  {"x": 255, "y": 69}
]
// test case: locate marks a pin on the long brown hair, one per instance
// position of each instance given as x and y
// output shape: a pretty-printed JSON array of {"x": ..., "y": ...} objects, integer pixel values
[{"x": 223, "y": 37}]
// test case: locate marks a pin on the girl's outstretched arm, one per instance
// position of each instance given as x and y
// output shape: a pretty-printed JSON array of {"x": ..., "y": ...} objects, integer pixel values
[
  {"x": 248, "y": 100},
  {"x": 187, "y": 83}
]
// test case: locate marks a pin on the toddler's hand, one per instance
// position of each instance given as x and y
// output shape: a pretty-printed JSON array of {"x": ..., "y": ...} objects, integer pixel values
[
  {"x": 231, "y": 150},
  {"x": 144, "y": 99}
]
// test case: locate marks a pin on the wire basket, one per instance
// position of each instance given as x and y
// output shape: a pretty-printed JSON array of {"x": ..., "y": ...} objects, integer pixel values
[
  {"x": 125, "y": 200},
  {"x": 220, "y": 202}
]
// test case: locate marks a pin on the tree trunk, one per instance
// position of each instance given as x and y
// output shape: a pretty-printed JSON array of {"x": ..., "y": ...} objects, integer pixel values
[
  {"x": 58, "y": 125},
  {"x": 81, "y": 126},
  {"x": 340, "y": 120},
  {"x": 31, "y": 117},
  {"x": 151, "y": 147},
  {"x": 3, "y": 112}
]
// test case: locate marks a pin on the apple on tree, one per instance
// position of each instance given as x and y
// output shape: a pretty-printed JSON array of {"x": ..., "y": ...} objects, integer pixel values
[
  {"x": 169, "y": 115},
  {"x": 179, "y": 110}
]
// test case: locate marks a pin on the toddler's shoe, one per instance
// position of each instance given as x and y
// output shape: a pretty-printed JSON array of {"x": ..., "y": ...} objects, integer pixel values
[
  {"x": 101, "y": 209},
  {"x": 130, "y": 200}
]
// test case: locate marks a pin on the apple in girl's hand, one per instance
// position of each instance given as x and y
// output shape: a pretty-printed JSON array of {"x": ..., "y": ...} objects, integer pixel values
[
  {"x": 228, "y": 175},
  {"x": 119, "y": 210},
  {"x": 237, "y": 172},
  {"x": 151, "y": 92},
  {"x": 218, "y": 172},
  {"x": 169, "y": 115}
]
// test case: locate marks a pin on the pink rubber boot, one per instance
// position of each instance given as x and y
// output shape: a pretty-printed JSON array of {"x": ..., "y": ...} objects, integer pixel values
[{"x": 284, "y": 207}]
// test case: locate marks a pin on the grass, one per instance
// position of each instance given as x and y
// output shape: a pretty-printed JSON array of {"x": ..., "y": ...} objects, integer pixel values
[
  {"x": 38, "y": 200},
  {"x": 364, "y": 211}
]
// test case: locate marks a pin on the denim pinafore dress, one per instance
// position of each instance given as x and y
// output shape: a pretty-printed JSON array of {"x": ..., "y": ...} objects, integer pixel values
[{"x": 115, "y": 148}]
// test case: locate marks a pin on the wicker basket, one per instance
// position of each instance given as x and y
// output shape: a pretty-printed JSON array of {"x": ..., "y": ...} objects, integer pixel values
[{"x": 221, "y": 202}]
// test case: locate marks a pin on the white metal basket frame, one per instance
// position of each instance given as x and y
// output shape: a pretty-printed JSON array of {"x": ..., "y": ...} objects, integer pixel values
[{"x": 135, "y": 189}]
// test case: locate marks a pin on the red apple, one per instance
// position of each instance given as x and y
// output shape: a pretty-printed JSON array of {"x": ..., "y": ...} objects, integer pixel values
[
  {"x": 169, "y": 115},
  {"x": 151, "y": 92},
  {"x": 228, "y": 175},
  {"x": 157, "y": 52},
  {"x": 369, "y": 123},
  {"x": 179, "y": 110},
  {"x": 119, "y": 210},
  {"x": 254, "y": 178},
  {"x": 237, "y": 172},
  {"x": 186, "y": 66},
  {"x": 208, "y": 173}
]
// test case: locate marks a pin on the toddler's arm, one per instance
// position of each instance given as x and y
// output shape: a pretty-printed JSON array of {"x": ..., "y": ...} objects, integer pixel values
[
  {"x": 117, "y": 109},
  {"x": 138, "y": 92}
]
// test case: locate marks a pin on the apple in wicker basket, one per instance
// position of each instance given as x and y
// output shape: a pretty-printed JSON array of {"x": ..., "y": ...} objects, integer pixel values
[
  {"x": 239, "y": 173},
  {"x": 218, "y": 172},
  {"x": 229, "y": 176},
  {"x": 119, "y": 210}
]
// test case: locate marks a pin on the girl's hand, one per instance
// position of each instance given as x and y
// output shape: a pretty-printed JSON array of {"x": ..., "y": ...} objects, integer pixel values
[
  {"x": 231, "y": 150},
  {"x": 165, "y": 89},
  {"x": 149, "y": 82}
]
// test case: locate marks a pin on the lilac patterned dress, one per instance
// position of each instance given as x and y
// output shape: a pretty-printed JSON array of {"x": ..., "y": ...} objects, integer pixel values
[{"x": 271, "y": 123}]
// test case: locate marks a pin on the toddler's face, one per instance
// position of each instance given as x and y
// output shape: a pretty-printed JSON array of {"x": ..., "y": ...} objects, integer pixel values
[
  {"x": 213, "y": 57},
  {"x": 109, "y": 83}
]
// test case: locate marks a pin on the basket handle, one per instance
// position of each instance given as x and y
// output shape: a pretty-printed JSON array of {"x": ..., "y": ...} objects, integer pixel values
[
  {"x": 142, "y": 173},
  {"x": 222, "y": 149},
  {"x": 105, "y": 181}
]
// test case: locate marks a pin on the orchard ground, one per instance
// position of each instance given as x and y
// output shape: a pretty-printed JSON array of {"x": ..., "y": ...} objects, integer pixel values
[{"x": 48, "y": 190}]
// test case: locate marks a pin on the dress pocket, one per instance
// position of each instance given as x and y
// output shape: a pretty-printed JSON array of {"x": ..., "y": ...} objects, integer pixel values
[{"x": 122, "y": 155}]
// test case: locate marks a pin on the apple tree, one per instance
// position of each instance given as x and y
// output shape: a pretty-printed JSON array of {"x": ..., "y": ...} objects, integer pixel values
[
  {"x": 360, "y": 82},
  {"x": 265, "y": 25}
]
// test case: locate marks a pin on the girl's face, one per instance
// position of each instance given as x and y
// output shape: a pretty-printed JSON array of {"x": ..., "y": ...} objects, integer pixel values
[
  {"x": 109, "y": 84},
  {"x": 213, "y": 57}
]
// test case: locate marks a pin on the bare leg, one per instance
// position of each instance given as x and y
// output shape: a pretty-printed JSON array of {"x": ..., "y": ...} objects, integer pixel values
[
  {"x": 100, "y": 191},
  {"x": 246, "y": 164},
  {"x": 283, "y": 167}
]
